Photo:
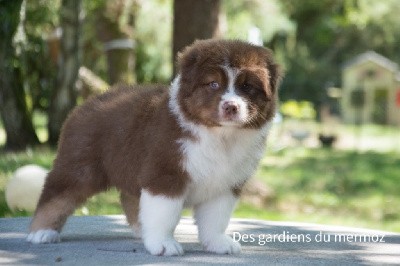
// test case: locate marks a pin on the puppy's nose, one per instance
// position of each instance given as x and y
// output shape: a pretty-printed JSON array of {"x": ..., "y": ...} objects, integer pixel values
[{"x": 230, "y": 108}]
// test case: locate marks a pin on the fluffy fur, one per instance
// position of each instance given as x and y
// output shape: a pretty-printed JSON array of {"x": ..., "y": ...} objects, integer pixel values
[{"x": 192, "y": 145}]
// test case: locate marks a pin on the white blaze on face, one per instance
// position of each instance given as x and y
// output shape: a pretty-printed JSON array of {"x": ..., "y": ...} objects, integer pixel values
[{"x": 232, "y": 110}]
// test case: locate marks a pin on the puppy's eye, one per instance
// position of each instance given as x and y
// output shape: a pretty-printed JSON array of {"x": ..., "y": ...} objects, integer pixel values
[
  {"x": 247, "y": 87},
  {"x": 214, "y": 85}
]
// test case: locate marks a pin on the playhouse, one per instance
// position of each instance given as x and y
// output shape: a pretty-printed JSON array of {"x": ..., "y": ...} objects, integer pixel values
[{"x": 371, "y": 90}]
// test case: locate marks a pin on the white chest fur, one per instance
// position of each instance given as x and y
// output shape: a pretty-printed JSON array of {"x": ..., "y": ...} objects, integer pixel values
[{"x": 219, "y": 159}]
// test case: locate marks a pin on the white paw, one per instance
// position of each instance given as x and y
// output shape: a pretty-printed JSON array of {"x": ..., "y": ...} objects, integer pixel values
[
  {"x": 43, "y": 236},
  {"x": 167, "y": 247},
  {"x": 222, "y": 244}
]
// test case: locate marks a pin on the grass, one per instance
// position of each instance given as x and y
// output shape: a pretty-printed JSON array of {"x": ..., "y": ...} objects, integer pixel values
[
  {"x": 337, "y": 186},
  {"x": 334, "y": 187}
]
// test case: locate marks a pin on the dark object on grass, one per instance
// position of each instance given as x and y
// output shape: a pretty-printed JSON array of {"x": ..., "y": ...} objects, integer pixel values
[{"x": 327, "y": 140}]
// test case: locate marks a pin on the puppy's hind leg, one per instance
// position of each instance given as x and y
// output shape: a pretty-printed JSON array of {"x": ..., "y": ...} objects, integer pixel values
[
  {"x": 59, "y": 198},
  {"x": 130, "y": 204}
]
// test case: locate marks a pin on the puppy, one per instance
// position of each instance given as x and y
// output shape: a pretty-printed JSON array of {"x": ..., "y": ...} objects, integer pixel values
[{"x": 193, "y": 144}]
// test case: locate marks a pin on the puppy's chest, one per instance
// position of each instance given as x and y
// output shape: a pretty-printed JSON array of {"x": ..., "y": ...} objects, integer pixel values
[{"x": 216, "y": 163}]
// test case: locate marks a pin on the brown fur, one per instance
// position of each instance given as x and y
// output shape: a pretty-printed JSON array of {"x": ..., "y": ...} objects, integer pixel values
[
  {"x": 124, "y": 138},
  {"x": 127, "y": 137}
]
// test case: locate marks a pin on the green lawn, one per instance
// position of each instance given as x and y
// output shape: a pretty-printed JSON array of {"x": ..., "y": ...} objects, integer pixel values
[
  {"x": 334, "y": 187},
  {"x": 309, "y": 185}
]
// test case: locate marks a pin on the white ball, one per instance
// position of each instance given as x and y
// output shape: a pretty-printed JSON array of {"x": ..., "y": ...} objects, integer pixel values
[{"x": 24, "y": 188}]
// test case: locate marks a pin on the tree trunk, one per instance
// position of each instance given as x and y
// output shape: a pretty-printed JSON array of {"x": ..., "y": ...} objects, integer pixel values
[
  {"x": 194, "y": 19},
  {"x": 115, "y": 24},
  {"x": 63, "y": 98},
  {"x": 17, "y": 120},
  {"x": 90, "y": 83}
]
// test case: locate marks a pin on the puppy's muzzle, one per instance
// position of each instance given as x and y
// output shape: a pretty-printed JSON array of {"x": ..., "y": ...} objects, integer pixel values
[{"x": 230, "y": 110}]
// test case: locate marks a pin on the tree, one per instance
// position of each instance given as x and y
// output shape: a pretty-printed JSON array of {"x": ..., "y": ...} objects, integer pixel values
[
  {"x": 64, "y": 94},
  {"x": 153, "y": 60},
  {"x": 194, "y": 19},
  {"x": 13, "y": 107},
  {"x": 42, "y": 44},
  {"x": 329, "y": 33},
  {"x": 115, "y": 24}
]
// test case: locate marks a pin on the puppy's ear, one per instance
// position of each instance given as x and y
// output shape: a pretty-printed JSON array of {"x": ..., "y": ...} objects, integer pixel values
[
  {"x": 275, "y": 70},
  {"x": 188, "y": 56},
  {"x": 275, "y": 75}
]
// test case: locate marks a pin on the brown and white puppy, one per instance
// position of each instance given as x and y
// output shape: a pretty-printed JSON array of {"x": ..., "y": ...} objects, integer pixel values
[{"x": 192, "y": 145}]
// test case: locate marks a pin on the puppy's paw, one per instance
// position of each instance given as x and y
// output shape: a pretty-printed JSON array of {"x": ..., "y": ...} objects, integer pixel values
[
  {"x": 222, "y": 244},
  {"x": 167, "y": 247},
  {"x": 43, "y": 236}
]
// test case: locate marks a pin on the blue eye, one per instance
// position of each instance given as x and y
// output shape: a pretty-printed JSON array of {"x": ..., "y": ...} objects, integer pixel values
[{"x": 214, "y": 85}]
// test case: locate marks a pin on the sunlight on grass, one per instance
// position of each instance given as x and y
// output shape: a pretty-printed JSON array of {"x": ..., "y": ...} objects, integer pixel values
[
  {"x": 2, "y": 135},
  {"x": 102, "y": 204},
  {"x": 40, "y": 122},
  {"x": 339, "y": 187}
]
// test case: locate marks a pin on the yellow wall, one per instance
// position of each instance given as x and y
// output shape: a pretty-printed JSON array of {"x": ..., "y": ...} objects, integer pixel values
[{"x": 353, "y": 77}]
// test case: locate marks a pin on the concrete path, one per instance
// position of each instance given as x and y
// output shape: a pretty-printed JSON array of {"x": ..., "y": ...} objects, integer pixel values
[{"x": 107, "y": 240}]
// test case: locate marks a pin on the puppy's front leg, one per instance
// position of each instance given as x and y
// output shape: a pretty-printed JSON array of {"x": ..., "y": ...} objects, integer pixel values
[
  {"x": 212, "y": 218},
  {"x": 159, "y": 215}
]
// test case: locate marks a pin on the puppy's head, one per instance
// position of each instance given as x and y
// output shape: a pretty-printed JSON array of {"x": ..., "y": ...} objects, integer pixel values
[{"x": 227, "y": 83}]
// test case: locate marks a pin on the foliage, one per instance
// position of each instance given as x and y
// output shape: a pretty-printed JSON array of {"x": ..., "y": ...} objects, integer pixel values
[
  {"x": 41, "y": 20},
  {"x": 153, "y": 41},
  {"x": 328, "y": 33},
  {"x": 298, "y": 109},
  {"x": 14, "y": 105},
  {"x": 33, "y": 58},
  {"x": 93, "y": 52},
  {"x": 268, "y": 16},
  {"x": 311, "y": 39}
]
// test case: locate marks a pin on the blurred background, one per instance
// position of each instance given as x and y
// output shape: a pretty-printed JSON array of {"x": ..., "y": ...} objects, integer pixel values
[{"x": 334, "y": 152}]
